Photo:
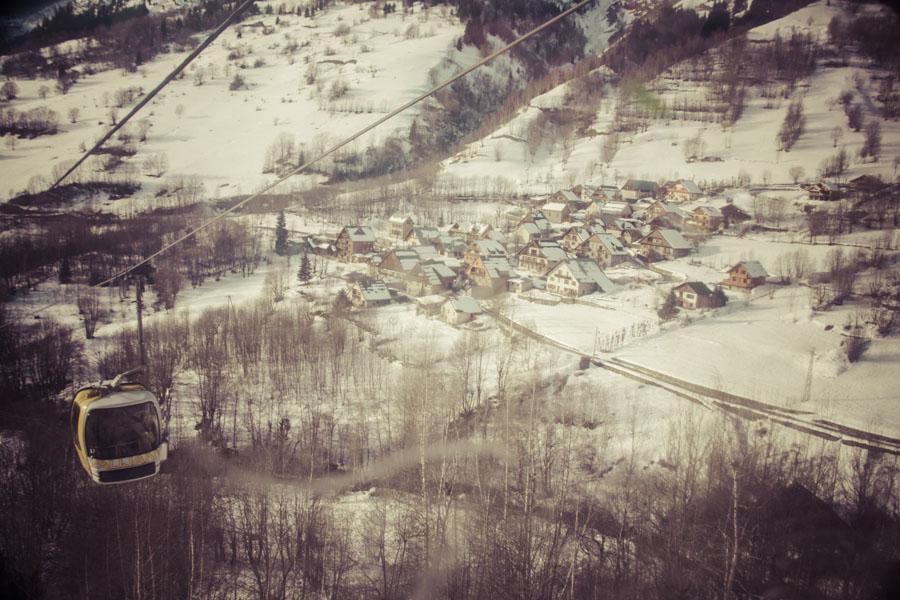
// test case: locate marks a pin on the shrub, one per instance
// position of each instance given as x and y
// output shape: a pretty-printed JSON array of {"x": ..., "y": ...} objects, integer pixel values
[
  {"x": 9, "y": 90},
  {"x": 237, "y": 83}
]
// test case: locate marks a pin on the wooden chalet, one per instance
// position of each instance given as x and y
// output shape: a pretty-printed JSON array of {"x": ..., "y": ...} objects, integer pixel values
[
  {"x": 639, "y": 188},
  {"x": 604, "y": 248},
  {"x": 354, "y": 240},
  {"x": 732, "y": 215},
  {"x": 429, "y": 278},
  {"x": 556, "y": 212},
  {"x": 707, "y": 218},
  {"x": 576, "y": 277},
  {"x": 573, "y": 238},
  {"x": 399, "y": 227},
  {"x": 683, "y": 190},
  {"x": 746, "y": 275},
  {"x": 462, "y": 309},
  {"x": 823, "y": 190},
  {"x": 664, "y": 244},
  {"x": 420, "y": 236},
  {"x": 696, "y": 294},
  {"x": 367, "y": 293},
  {"x": 538, "y": 257}
]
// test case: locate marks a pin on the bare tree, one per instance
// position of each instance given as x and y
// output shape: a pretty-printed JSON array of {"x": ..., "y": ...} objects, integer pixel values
[
  {"x": 91, "y": 310},
  {"x": 74, "y": 113},
  {"x": 797, "y": 173}
]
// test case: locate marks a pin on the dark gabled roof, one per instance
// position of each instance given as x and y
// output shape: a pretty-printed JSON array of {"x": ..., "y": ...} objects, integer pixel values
[
  {"x": 698, "y": 287},
  {"x": 640, "y": 185}
]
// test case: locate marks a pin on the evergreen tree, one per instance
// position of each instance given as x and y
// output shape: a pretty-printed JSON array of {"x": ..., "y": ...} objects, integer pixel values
[
  {"x": 281, "y": 235},
  {"x": 719, "y": 297},
  {"x": 65, "y": 271},
  {"x": 669, "y": 308},
  {"x": 304, "y": 273}
]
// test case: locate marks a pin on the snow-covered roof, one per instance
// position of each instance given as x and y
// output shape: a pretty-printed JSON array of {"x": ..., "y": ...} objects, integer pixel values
[
  {"x": 569, "y": 196},
  {"x": 698, "y": 287},
  {"x": 585, "y": 270},
  {"x": 399, "y": 219},
  {"x": 612, "y": 244},
  {"x": 554, "y": 206},
  {"x": 466, "y": 305},
  {"x": 436, "y": 273},
  {"x": 497, "y": 266},
  {"x": 408, "y": 259},
  {"x": 690, "y": 186},
  {"x": 425, "y": 234},
  {"x": 711, "y": 211},
  {"x": 753, "y": 267},
  {"x": 552, "y": 251},
  {"x": 374, "y": 291},
  {"x": 580, "y": 233},
  {"x": 673, "y": 238},
  {"x": 489, "y": 248},
  {"x": 360, "y": 233}
]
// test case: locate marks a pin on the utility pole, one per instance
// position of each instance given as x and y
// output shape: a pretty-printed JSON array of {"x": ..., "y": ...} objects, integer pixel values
[
  {"x": 141, "y": 274},
  {"x": 139, "y": 293}
]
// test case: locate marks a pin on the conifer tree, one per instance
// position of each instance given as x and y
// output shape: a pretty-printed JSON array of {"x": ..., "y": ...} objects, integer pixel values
[
  {"x": 304, "y": 273},
  {"x": 281, "y": 235}
]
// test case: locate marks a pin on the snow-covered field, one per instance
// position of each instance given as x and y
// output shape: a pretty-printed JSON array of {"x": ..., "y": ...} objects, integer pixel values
[
  {"x": 748, "y": 147},
  {"x": 222, "y": 135}
]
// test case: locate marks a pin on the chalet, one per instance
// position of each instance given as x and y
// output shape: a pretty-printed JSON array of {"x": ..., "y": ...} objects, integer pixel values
[
  {"x": 519, "y": 285},
  {"x": 707, "y": 218},
  {"x": 460, "y": 310},
  {"x": 479, "y": 231},
  {"x": 823, "y": 190},
  {"x": 573, "y": 238},
  {"x": 400, "y": 227},
  {"x": 399, "y": 262},
  {"x": 420, "y": 236},
  {"x": 866, "y": 184},
  {"x": 638, "y": 188},
  {"x": 576, "y": 277},
  {"x": 429, "y": 278},
  {"x": 556, "y": 212},
  {"x": 615, "y": 210},
  {"x": 570, "y": 198},
  {"x": 664, "y": 244},
  {"x": 658, "y": 210},
  {"x": 628, "y": 233},
  {"x": 539, "y": 257},
  {"x": 491, "y": 273},
  {"x": 683, "y": 190},
  {"x": 483, "y": 248},
  {"x": 366, "y": 293},
  {"x": 696, "y": 294},
  {"x": 471, "y": 231},
  {"x": 604, "y": 248},
  {"x": 747, "y": 275},
  {"x": 354, "y": 240},
  {"x": 542, "y": 225},
  {"x": 448, "y": 245},
  {"x": 732, "y": 215}
]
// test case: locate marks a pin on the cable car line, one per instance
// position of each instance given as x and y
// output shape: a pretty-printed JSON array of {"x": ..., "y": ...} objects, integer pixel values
[
  {"x": 166, "y": 80},
  {"x": 446, "y": 83}
]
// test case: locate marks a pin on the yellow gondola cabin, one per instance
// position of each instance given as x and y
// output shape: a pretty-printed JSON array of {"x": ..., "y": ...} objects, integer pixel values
[{"x": 116, "y": 431}]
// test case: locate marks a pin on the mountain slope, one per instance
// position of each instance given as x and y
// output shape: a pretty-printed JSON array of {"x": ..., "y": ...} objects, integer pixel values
[{"x": 656, "y": 149}]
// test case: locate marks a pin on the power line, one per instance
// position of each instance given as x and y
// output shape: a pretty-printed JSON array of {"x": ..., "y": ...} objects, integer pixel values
[
  {"x": 166, "y": 80},
  {"x": 446, "y": 83}
]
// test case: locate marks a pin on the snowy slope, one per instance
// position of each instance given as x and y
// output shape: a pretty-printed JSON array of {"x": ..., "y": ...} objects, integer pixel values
[
  {"x": 747, "y": 147},
  {"x": 221, "y": 135}
]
